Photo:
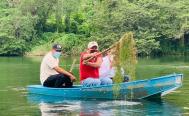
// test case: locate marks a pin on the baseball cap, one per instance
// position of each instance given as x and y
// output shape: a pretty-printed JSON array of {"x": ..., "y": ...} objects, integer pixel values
[
  {"x": 57, "y": 47},
  {"x": 92, "y": 43}
]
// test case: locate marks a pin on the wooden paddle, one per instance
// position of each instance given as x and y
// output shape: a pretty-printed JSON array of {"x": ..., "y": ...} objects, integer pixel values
[
  {"x": 72, "y": 66},
  {"x": 106, "y": 50}
]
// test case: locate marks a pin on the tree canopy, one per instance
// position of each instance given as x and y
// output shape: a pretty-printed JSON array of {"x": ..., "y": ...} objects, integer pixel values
[{"x": 159, "y": 26}]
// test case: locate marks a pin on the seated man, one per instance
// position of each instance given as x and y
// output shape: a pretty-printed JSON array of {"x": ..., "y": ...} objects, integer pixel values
[
  {"x": 51, "y": 75},
  {"x": 89, "y": 71}
]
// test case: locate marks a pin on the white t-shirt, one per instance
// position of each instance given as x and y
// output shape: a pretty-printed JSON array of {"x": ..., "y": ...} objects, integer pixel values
[
  {"x": 47, "y": 65},
  {"x": 106, "y": 70}
]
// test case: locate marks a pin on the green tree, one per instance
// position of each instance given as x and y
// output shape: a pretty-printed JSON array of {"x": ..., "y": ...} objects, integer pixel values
[{"x": 16, "y": 30}]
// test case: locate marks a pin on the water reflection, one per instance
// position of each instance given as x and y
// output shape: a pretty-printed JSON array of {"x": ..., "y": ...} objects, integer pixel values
[
  {"x": 160, "y": 108},
  {"x": 57, "y": 106},
  {"x": 25, "y": 71},
  {"x": 48, "y": 109}
]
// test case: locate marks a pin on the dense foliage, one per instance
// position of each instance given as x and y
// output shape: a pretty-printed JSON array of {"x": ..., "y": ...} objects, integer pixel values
[{"x": 159, "y": 26}]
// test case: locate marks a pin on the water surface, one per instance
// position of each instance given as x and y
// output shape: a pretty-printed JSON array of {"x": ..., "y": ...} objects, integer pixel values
[{"x": 18, "y": 72}]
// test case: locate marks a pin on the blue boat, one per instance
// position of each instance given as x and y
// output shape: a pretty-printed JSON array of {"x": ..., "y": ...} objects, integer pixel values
[{"x": 141, "y": 89}]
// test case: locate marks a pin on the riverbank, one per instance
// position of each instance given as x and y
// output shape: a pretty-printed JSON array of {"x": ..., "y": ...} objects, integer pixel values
[{"x": 72, "y": 44}]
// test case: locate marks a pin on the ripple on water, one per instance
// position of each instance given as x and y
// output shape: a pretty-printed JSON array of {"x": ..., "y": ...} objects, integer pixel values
[
  {"x": 3, "y": 90},
  {"x": 118, "y": 103},
  {"x": 52, "y": 108},
  {"x": 185, "y": 114},
  {"x": 186, "y": 108},
  {"x": 18, "y": 88}
]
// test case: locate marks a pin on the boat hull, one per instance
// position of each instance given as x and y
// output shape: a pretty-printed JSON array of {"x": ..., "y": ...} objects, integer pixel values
[{"x": 152, "y": 88}]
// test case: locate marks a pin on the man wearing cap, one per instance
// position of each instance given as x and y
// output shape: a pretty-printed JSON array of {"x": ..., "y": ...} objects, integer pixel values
[
  {"x": 51, "y": 75},
  {"x": 89, "y": 71}
]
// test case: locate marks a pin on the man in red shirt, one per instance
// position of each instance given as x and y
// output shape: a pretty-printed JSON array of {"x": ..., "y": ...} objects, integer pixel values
[{"x": 89, "y": 71}]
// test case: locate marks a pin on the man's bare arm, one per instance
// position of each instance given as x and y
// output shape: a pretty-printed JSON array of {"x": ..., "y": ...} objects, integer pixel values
[
  {"x": 62, "y": 71},
  {"x": 88, "y": 55},
  {"x": 95, "y": 64}
]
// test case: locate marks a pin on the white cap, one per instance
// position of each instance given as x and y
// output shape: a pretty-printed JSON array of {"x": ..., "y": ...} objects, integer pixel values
[{"x": 92, "y": 43}]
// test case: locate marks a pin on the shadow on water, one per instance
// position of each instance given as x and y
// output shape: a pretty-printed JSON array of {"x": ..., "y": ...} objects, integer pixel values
[{"x": 51, "y": 105}]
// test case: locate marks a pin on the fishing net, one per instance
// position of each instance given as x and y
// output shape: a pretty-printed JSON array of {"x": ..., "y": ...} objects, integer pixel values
[{"x": 125, "y": 61}]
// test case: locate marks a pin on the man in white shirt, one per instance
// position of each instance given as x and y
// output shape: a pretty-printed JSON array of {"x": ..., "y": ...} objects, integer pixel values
[
  {"x": 51, "y": 74},
  {"x": 106, "y": 71}
]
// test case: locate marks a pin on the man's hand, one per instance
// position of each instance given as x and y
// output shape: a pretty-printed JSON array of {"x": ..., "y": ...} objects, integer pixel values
[
  {"x": 91, "y": 55},
  {"x": 94, "y": 54},
  {"x": 73, "y": 78},
  {"x": 62, "y": 71},
  {"x": 85, "y": 62}
]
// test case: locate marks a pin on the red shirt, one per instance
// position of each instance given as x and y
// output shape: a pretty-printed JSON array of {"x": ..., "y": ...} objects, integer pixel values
[{"x": 88, "y": 71}]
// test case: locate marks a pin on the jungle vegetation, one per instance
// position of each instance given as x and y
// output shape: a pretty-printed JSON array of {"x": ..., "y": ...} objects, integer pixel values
[{"x": 160, "y": 27}]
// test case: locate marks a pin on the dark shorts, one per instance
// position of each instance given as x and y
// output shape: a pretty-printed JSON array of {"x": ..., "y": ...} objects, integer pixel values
[{"x": 58, "y": 81}]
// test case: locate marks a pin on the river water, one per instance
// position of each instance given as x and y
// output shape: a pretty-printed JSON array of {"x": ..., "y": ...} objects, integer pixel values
[{"x": 18, "y": 72}]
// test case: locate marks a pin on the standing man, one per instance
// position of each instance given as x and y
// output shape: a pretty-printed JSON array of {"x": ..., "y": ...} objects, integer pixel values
[{"x": 51, "y": 75}]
